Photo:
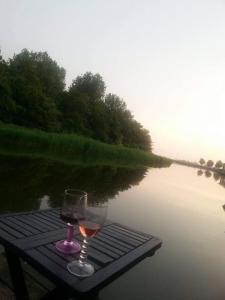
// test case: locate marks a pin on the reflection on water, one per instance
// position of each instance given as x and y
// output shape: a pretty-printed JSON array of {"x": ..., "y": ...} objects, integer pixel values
[
  {"x": 28, "y": 184},
  {"x": 183, "y": 209},
  {"x": 216, "y": 176}
]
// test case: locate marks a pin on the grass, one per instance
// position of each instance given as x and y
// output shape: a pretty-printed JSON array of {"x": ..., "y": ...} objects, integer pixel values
[{"x": 71, "y": 148}]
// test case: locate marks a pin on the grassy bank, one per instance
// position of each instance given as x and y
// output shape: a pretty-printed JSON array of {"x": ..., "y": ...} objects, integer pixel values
[{"x": 71, "y": 148}]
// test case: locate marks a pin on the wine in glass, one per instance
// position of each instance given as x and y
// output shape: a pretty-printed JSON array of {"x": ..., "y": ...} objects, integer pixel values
[
  {"x": 94, "y": 216},
  {"x": 70, "y": 213}
]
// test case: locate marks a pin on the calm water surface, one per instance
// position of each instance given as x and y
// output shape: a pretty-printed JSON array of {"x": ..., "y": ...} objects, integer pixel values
[{"x": 175, "y": 204}]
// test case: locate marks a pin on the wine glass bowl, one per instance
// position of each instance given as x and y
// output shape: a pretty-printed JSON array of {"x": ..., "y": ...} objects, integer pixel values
[
  {"x": 70, "y": 213},
  {"x": 93, "y": 217}
]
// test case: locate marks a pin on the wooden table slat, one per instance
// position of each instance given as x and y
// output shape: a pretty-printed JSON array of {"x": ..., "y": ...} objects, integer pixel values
[
  {"x": 41, "y": 239},
  {"x": 37, "y": 224},
  {"x": 104, "y": 250},
  {"x": 47, "y": 223},
  {"x": 129, "y": 233},
  {"x": 5, "y": 236},
  {"x": 33, "y": 227},
  {"x": 111, "y": 240},
  {"x": 107, "y": 246},
  {"x": 121, "y": 237},
  {"x": 134, "y": 232},
  {"x": 11, "y": 231},
  {"x": 58, "y": 222},
  {"x": 54, "y": 216},
  {"x": 19, "y": 222},
  {"x": 53, "y": 256},
  {"x": 130, "y": 236},
  {"x": 19, "y": 228}
]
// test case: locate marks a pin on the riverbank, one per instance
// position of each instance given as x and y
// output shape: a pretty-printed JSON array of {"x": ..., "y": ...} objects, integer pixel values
[{"x": 71, "y": 148}]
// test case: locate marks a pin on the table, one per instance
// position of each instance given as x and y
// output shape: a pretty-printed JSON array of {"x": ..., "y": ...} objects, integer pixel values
[{"x": 32, "y": 235}]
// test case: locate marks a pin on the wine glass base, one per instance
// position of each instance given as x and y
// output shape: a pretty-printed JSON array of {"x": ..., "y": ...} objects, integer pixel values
[
  {"x": 79, "y": 270},
  {"x": 67, "y": 247}
]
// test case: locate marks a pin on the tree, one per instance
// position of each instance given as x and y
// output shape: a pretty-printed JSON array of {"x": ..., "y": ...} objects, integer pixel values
[
  {"x": 92, "y": 85},
  {"x": 51, "y": 76},
  {"x": 216, "y": 176},
  {"x": 199, "y": 172},
  {"x": 210, "y": 163},
  {"x": 202, "y": 161},
  {"x": 123, "y": 127},
  {"x": 219, "y": 164},
  {"x": 75, "y": 113},
  {"x": 208, "y": 174},
  {"x": 7, "y": 105},
  {"x": 33, "y": 94}
]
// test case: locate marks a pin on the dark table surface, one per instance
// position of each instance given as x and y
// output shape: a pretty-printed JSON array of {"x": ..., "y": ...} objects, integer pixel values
[{"x": 32, "y": 236}]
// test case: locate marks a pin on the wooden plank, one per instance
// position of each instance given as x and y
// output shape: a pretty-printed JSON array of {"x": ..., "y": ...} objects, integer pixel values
[
  {"x": 29, "y": 223},
  {"x": 136, "y": 232},
  {"x": 59, "y": 222},
  {"x": 45, "y": 222},
  {"x": 4, "y": 236},
  {"x": 98, "y": 256},
  {"x": 41, "y": 239},
  {"x": 11, "y": 231},
  {"x": 55, "y": 211},
  {"x": 112, "y": 241},
  {"x": 18, "y": 227},
  {"x": 129, "y": 233},
  {"x": 37, "y": 224},
  {"x": 107, "y": 246},
  {"x": 22, "y": 224},
  {"x": 53, "y": 256},
  {"x": 122, "y": 234},
  {"x": 121, "y": 237},
  {"x": 101, "y": 249},
  {"x": 54, "y": 215}
]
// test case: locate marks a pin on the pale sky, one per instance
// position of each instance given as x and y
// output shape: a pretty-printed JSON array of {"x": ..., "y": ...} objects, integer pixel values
[{"x": 166, "y": 59}]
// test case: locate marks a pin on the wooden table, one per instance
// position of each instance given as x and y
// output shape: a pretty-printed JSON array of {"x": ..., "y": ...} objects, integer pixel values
[{"x": 32, "y": 235}]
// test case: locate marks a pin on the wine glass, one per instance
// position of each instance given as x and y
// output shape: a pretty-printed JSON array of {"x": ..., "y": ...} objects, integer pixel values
[
  {"x": 70, "y": 213},
  {"x": 93, "y": 218}
]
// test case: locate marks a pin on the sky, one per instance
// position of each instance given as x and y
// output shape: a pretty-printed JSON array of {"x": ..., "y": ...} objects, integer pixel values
[{"x": 166, "y": 59}]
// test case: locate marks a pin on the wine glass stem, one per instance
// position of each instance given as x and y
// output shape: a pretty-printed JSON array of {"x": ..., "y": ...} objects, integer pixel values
[
  {"x": 69, "y": 234},
  {"x": 83, "y": 252}
]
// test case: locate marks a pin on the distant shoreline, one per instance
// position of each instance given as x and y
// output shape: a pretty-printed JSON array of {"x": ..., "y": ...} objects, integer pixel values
[{"x": 198, "y": 166}]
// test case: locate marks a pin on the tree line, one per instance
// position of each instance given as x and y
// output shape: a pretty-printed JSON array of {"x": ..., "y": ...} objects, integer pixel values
[
  {"x": 219, "y": 164},
  {"x": 33, "y": 94}
]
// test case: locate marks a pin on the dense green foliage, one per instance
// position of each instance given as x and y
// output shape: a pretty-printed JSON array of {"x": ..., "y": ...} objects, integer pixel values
[
  {"x": 33, "y": 94},
  {"x": 72, "y": 149}
]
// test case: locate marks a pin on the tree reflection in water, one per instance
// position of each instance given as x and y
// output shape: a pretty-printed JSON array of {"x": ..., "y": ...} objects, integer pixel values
[
  {"x": 217, "y": 177},
  {"x": 29, "y": 184}
]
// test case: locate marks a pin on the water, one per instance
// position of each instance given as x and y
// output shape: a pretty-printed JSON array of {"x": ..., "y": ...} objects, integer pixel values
[{"x": 176, "y": 204}]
